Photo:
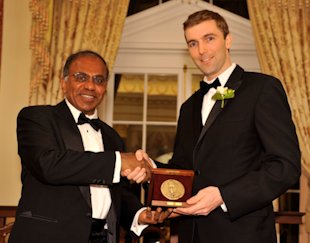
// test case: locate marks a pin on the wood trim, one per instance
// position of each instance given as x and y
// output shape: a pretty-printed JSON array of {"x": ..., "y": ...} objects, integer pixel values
[
  {"x": 289, "y": 217},
  {"x": 6, "y": 212}
]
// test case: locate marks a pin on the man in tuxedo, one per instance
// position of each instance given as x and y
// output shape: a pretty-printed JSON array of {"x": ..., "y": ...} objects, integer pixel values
[
  {"x": 243, "y": 149},
  {"x": 72, "y": 164}
]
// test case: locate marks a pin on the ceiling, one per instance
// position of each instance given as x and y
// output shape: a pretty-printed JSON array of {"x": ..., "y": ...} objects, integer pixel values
[{"x": 235, "y": 6}]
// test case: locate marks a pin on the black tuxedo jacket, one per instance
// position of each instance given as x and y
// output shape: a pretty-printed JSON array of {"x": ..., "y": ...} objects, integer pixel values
[
  {"x": 249, "y": 149},
  {"x": 56, "y": 173}
]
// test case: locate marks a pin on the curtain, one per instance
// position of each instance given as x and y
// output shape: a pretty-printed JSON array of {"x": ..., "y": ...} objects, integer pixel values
[
  {"x": 60, "y": 28},
  {"x": 282, "y": 34}
]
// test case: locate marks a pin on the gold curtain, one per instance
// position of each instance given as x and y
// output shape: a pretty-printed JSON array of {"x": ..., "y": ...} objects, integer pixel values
[
  {"x": 60, "y": 28},
  {"x": 282, "y": 34}
]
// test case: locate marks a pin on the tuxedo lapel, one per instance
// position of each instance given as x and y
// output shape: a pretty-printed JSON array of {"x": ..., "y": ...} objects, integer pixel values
[
  {"x": 111, "y": 219},
  {"x": 235, "y": 79},
  {"x": 233, "y": 82},
  {"x": 68, "y": 127},
  {"x": 216, "y": 110},
  {"x": 112, "y": 215},
  {"x": 197, "y": 120},
  {"x": 72, "y": 138}
]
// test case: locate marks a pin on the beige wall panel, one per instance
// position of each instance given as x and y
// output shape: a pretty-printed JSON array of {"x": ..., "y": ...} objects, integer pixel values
[{"x": 14, "y": 89}]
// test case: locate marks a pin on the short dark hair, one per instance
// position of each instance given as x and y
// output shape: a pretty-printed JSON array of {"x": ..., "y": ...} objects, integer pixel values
[
  {"x": 203, "y": 15},
  {"x": 83, "y": 53}
]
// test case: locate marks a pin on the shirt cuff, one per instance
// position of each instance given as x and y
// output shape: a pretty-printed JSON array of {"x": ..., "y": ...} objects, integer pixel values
[
  {"x": 135, "y": 226},
  {"x": 153, "y": 163},
  {"x": 224, "y": 208},
  {"x": 117, "y": 169}
]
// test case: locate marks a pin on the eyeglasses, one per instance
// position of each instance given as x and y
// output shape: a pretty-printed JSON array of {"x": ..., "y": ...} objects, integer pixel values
[{"x": 83, "y": 77}]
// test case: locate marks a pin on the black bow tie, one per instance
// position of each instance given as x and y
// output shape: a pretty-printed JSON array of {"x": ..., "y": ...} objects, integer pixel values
[
  {"x": 95, "y": 123},
  {"x": 204, "y": 87}
]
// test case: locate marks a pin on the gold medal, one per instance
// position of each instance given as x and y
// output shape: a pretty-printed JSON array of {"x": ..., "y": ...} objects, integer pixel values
[{"x": 172, "y": 189}]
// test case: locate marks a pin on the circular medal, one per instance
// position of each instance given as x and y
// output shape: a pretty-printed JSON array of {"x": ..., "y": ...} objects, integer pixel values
[{"x": 172, "y": 189}]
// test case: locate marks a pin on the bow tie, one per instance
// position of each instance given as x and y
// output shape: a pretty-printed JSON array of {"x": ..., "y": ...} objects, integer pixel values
[
  {"x": 95, "y": 123},
  {"x": 204, "y": 87}
]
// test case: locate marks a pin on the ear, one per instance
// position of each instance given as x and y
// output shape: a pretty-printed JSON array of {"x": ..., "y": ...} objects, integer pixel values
[
  {"x": 64, "y": 84},
  {"x": 228, "y": 41}
]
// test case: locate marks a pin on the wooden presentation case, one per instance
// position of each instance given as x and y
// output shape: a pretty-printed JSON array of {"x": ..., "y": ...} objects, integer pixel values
[{"x": 170, "y": 187}]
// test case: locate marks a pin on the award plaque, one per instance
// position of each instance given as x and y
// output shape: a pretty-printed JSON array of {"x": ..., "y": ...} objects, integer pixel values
[{"x": 170, "y": 187}]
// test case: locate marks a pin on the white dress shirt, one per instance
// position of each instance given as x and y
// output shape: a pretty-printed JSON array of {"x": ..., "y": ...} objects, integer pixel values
[{"x": 208, "y": 102}]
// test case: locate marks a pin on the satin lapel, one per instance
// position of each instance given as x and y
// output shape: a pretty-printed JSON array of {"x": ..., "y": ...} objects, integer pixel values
[
  {"x": 72, "y": 137},
  {"x": 108, "y": 144},
  {"x": 235, "y": 79},
  {"x": 197, "y": 120},
  {"x": 68, "y": 127},
  {"x": 111, "y": 219},
  {"x": 216, "y": 110},
  {"x": 233, "y": 82}
]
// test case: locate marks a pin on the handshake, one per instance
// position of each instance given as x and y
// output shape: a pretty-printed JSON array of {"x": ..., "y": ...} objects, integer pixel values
[{"x": 136, "y": 166}]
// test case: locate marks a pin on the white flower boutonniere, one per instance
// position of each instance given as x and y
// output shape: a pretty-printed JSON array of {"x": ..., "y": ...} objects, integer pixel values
[{"x": 223, "y": 93}]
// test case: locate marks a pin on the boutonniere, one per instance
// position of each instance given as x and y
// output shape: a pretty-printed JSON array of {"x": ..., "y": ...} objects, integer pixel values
[{"x": 223, "y": 93}]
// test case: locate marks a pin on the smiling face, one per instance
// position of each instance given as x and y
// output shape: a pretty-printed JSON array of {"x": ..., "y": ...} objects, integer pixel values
[
  {"x": 208, "y": 48},
  {"x": 85, "y": 94}
]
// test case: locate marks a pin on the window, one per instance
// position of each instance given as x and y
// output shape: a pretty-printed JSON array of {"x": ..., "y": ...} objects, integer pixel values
[{"x": 146, "y": 119}]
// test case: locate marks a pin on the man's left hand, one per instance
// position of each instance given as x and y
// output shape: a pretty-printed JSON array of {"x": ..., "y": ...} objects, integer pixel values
[
  {"x": 205, "y": 201},
  {"x": 159, "y": 215}
]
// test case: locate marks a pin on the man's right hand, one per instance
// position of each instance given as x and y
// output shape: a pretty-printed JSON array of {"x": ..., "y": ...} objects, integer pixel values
[{"x": 136, "y": 166}]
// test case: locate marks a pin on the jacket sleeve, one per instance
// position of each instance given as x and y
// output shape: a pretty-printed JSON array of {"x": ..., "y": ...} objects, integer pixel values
[
  {"x": 279, "y": 161},
  {"x": 43, "y": 152}
]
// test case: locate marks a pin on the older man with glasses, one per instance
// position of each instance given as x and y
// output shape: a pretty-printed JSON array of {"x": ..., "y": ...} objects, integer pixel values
[{"x": 74, "y": 167}]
